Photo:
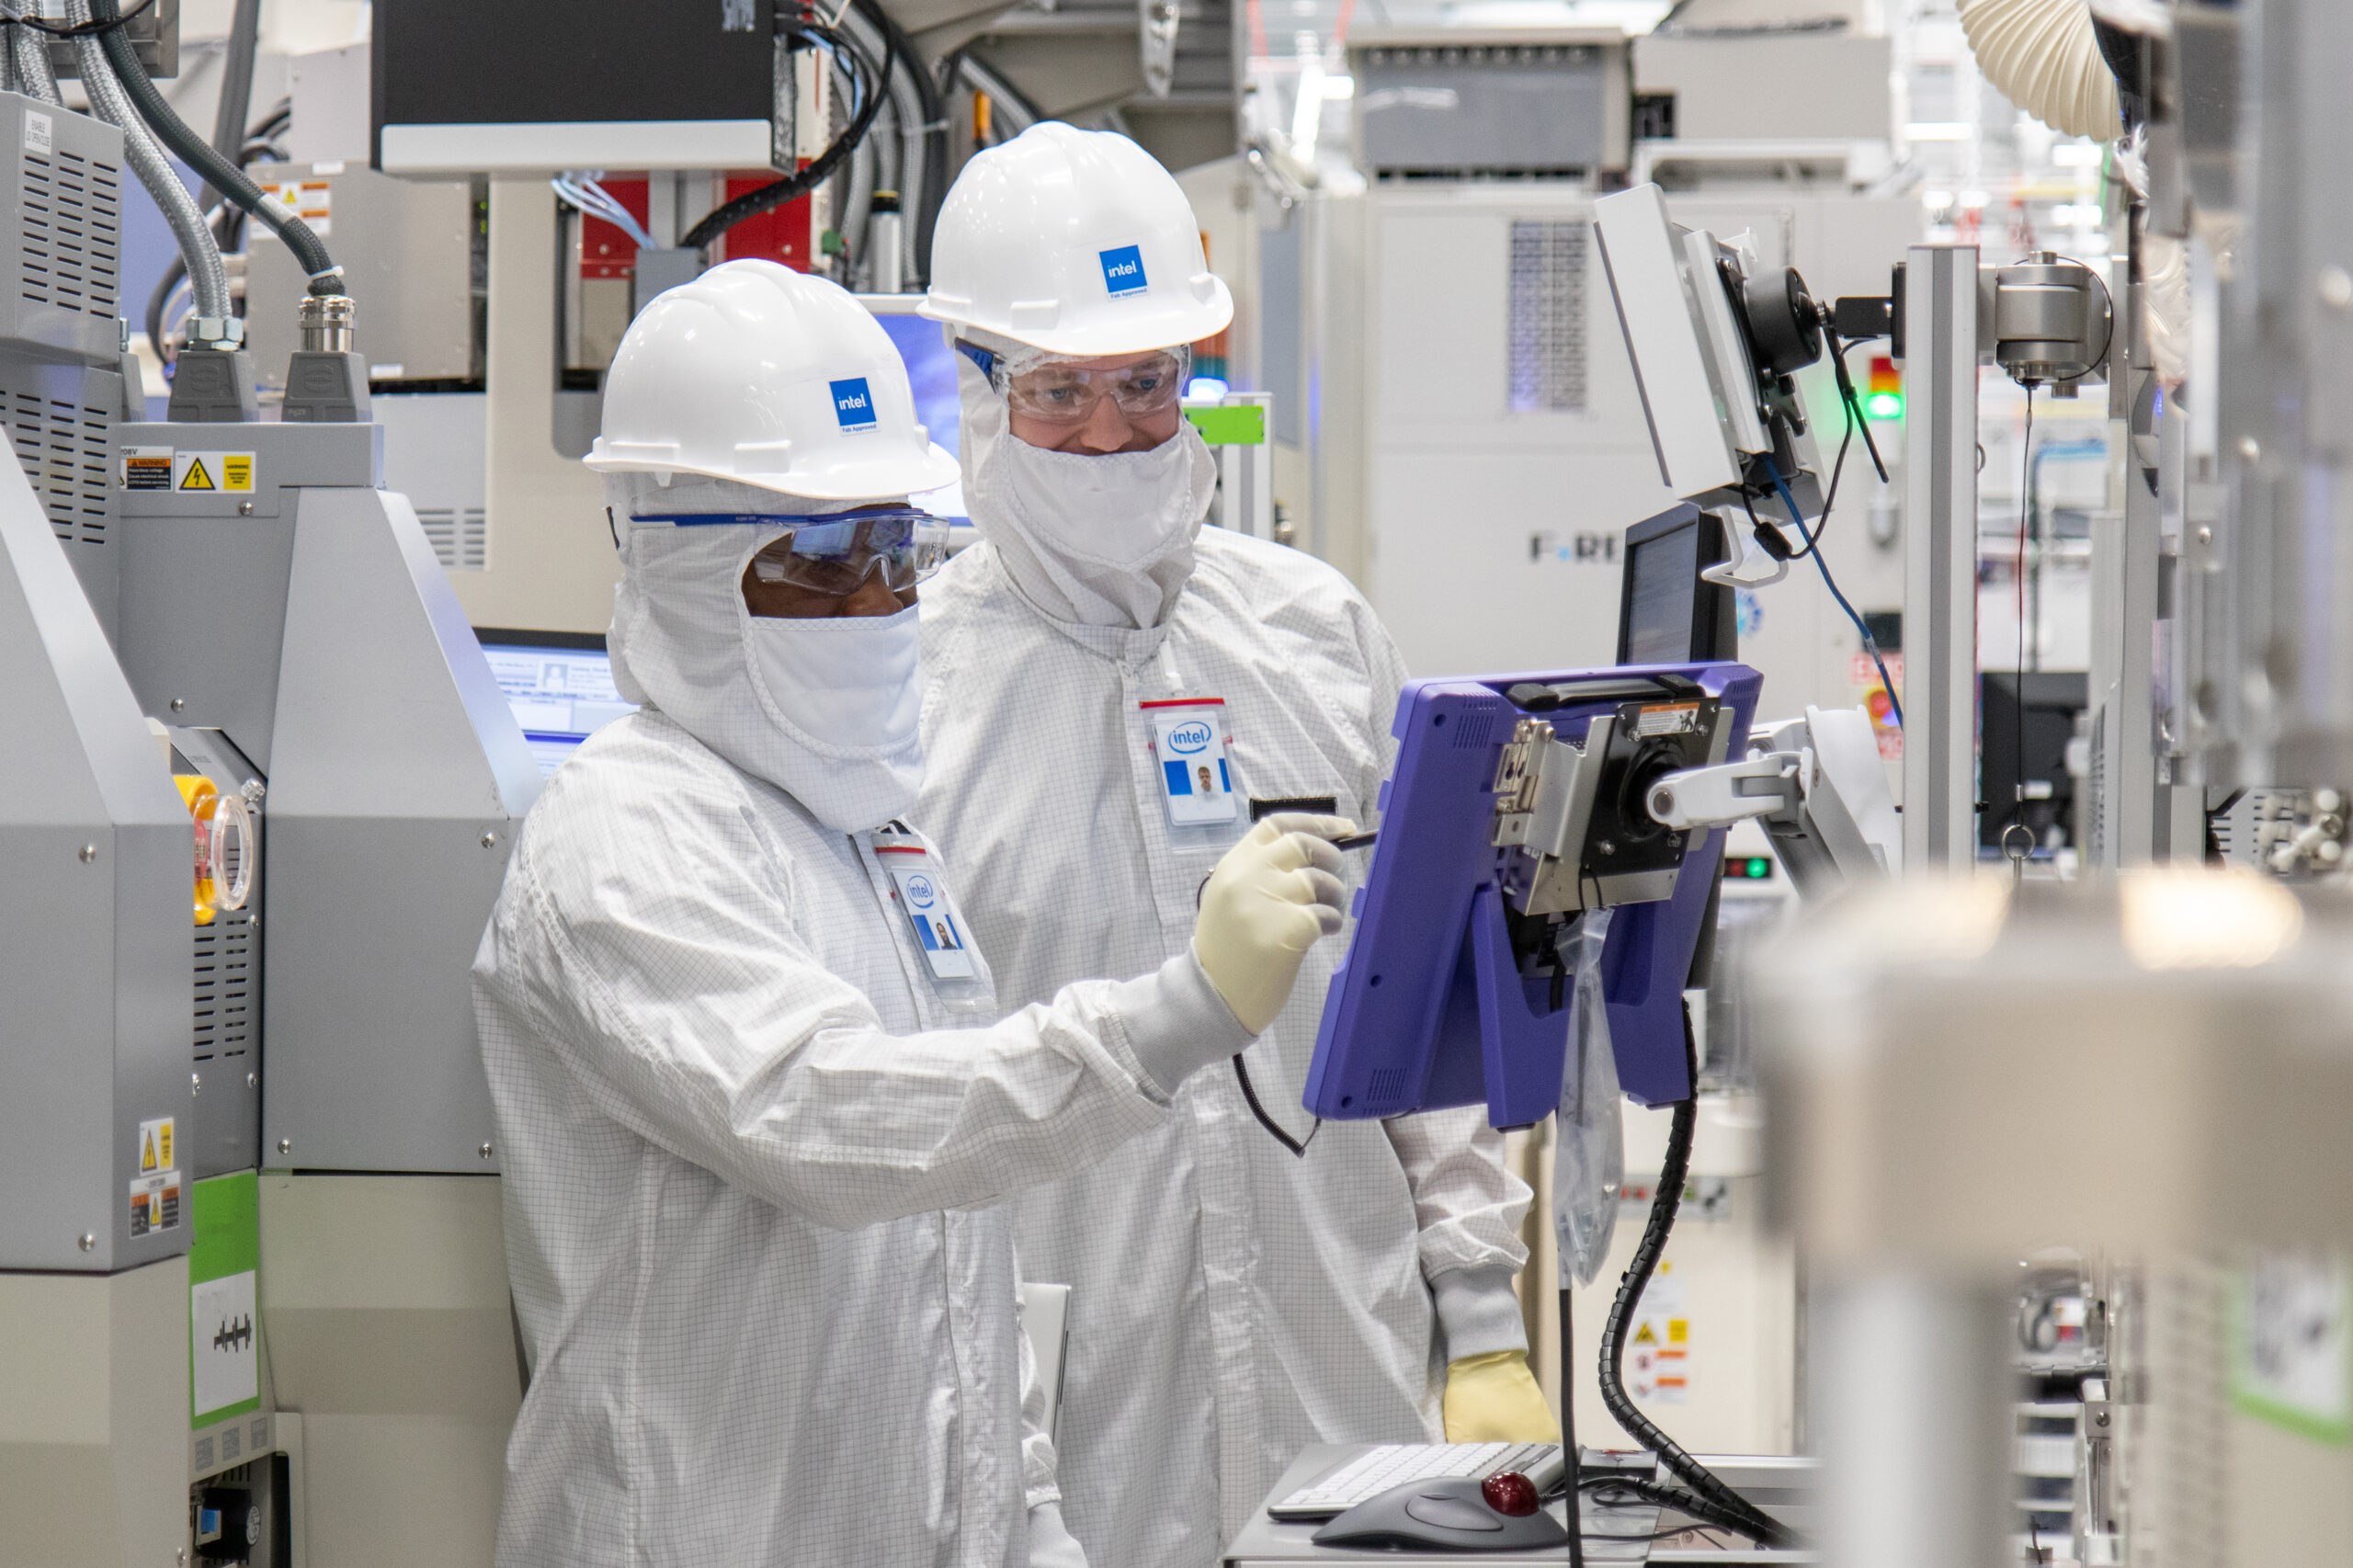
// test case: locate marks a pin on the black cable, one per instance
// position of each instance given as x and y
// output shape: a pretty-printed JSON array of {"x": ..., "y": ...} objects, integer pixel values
[
  {"x": 1837, "y": 471},
  {"x": 2026, "y": 503},
  {"x": 98, "y": 23},
  {"x": 236, "y": 89},
  {"x": 1630, "y": 1285},
  {"x": 1572, "y": 1458},
  {"x": 1822, "y": 565},
  {"x": 210, "y": 166},
  {"x": 873, "y": 80},
  {"x": 1661, "y": 1495},
  {"x": 932, "y": 106},
  {"x": 1298, "y": 1146}
]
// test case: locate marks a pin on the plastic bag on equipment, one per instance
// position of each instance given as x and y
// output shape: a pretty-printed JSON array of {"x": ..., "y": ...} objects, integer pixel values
[{"x": 1589, "y": 1163}]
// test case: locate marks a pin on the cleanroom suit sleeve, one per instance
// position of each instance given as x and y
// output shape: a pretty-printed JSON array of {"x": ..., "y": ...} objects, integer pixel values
[
  {"x": 1469, "y": 1206},
  {"x": 680, "y": 997},
  {"x": 1038, "y": 1483}
]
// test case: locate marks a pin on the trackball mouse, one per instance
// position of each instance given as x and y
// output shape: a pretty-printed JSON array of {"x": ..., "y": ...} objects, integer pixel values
[{"x": 1448, "y": 1513}]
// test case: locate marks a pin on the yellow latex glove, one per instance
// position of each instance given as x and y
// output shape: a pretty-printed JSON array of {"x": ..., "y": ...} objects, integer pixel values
[
  {"x": 1494, "y": 1398},
  {"x": 1265, "y": 906}
]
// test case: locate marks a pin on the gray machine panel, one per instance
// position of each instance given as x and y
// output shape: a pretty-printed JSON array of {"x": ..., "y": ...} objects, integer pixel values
[
  {"x": 201, "y": 587},
  {"x": 224, "y": 1035},
  {"x": 1476, "y": 105},
  {"x": 399, "y": 779},
  {"x": 408, "y": 254},
  {"x": 57, "y": 419},
  {"x": 94, "y": 956},
  {"x": 60, "y": 232},
  {"x": 285, "y": 457},
  {"x": 322, "y": 639}
]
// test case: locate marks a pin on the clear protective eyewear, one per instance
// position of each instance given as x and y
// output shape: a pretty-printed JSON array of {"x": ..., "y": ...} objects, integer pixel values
[
  {"x": 1062, "y": 392},
  {"x": 834, "y": 554}
]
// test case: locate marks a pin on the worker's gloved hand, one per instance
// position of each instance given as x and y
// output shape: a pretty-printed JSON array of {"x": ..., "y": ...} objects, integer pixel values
[
  {"x": 1051, "y": 1543},
  {"x": 1265, "y": 906},
  {"x": 1494, "y": 1398}
]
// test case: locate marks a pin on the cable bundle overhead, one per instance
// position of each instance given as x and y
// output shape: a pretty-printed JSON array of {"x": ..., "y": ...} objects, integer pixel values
[{"x": 871, "y": 81}]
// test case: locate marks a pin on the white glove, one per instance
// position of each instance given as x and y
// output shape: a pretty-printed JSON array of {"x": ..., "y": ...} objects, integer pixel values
[
  {"x": 1051, "y": 1543},
  {"x": 1265, "y": 906}
]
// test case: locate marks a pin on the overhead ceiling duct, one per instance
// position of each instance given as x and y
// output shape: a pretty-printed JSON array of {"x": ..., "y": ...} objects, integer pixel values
[{"x": 2045, "y": 56}]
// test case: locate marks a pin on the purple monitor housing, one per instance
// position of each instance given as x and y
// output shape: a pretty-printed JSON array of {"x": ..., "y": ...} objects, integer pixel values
[{"x": 1496, "y": 833}]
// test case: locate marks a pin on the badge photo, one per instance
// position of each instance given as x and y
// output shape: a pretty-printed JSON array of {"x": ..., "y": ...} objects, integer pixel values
[
  {"x": 925, "y": 901},
  {"x": 1196, "y": 778}
]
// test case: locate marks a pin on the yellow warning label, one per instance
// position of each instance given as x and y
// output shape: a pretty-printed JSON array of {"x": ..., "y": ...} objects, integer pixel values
[
  {"x": 1678, "y": 1330},
  {"x": 155, "y": 1144},
  {"x": 218, "y": 471},
  {"x": 1643, "y": 1336}
]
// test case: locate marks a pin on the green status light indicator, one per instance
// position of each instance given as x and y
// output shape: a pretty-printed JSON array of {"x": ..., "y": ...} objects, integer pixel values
[
  {"x": 1884, "y": 406},
  {"x": 1748, "y": 868}
]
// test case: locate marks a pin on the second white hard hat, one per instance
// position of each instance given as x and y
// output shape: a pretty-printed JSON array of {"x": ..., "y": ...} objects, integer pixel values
[
  {"x": 1076, "y": 242},
  {"x": 759, "y": 373}
]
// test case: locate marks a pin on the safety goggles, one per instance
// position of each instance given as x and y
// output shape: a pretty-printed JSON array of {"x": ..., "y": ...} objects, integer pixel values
[
  {"x": 1060, "y": 392},
  {"x": 835, "y": 553}
]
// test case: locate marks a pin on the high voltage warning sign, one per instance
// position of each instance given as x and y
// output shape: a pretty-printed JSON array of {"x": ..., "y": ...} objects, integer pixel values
[{"x": 161, "y": 468}]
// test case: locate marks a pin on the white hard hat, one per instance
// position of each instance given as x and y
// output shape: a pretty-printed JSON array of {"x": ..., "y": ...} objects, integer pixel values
[
  {"x": 759, "y": 373},
  {"x": 1076, "y": 242}
]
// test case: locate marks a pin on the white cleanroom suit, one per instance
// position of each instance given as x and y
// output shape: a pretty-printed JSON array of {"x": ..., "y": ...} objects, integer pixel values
[
  {"x": 1230, "y": 1303},
  {"x": 768, "y": 1319}
]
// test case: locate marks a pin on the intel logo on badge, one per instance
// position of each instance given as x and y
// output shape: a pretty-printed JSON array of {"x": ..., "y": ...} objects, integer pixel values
[
  {"x": 853, "y": 405},
  {"x": 919, "y": 889},
  {"x": 1123, "y": 271},
  {"x": 1190, "y": 737}
]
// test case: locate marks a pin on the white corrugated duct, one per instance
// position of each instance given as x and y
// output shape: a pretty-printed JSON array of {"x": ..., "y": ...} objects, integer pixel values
[{"x": 2044, "y": 58}]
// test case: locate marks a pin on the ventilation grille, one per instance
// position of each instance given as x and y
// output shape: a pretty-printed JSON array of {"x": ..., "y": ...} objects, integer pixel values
[
  {"x": 1547, "y": 317},
  {"x": 1387, "y": 1085},
  {"x": 1472, "y": 731},
  {"x": 63, "y": 449},
  {"x": 460, "y": 537},
  {"x": 71, "y": 235},
  {"x": 224, "y": 986}
]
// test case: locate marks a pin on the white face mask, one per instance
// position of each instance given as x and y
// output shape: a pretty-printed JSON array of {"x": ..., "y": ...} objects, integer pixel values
[
  {"x": 824, "y": 709},
  {"x": 1099, "y": 540}
]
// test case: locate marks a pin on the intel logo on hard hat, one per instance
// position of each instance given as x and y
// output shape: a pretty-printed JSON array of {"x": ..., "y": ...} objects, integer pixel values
[
  {"x": 1123, "y": 271},
  {"x": 1190, "y": 737},
  {"x": 919, "y": 889},
  {"x": 853, "y": 405}
]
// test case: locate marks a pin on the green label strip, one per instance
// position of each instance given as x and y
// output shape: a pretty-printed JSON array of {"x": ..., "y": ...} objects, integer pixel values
[{"x": 1244, "y": 425}]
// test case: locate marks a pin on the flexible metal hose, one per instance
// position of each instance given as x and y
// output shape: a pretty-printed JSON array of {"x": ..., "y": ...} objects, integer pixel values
[
  {"x": 197, "y": 153},
  {"x": 208, "y": 279},
  {"x": 29, "y": 52}
]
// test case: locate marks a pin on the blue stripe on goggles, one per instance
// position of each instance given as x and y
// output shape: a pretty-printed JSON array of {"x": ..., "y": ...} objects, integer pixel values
[{"x": 835, "y": 553}]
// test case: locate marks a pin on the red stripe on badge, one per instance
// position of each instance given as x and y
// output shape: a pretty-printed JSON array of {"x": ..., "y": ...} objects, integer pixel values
[
  {"x": 1184, "y": 702},
  {"x": 898, "y": 849}
]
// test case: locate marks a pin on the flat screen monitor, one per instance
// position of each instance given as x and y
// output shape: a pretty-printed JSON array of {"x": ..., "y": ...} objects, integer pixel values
[
  {"x": 559, "y": 685},
  {"x": 1668, "y": 614},
  {"x": 930, "y": 355}
]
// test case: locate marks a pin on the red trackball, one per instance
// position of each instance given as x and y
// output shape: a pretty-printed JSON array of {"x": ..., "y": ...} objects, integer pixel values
[{"x": 1509, "y": 1492}]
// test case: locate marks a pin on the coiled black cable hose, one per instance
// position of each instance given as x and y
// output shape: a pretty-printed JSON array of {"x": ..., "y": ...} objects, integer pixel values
[{"x": 1739, "y": 1513}]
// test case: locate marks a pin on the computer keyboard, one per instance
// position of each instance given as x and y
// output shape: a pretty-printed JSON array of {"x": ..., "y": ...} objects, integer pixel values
[{"x": 1377, "y": 1469}]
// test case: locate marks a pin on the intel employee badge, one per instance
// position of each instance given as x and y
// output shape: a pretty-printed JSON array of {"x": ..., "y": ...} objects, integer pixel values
[{"x": 1189, "y": 741}]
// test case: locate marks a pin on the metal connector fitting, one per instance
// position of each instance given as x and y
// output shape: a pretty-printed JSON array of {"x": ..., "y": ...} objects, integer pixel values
[
  {"x": 328, "y": 321},
  {"x": 215, "y": 332},
  {"x": 2052, "y": 319}
]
